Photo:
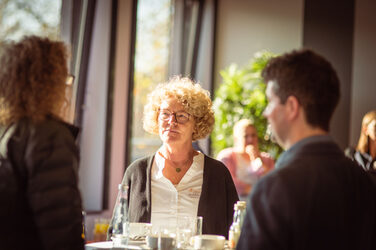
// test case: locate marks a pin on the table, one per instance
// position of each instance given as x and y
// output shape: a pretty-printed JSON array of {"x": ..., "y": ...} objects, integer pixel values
[{"x": 109, "y": 245}]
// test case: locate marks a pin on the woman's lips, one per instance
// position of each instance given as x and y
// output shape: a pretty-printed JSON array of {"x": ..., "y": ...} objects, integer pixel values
[{"x": 171, "y": 131}]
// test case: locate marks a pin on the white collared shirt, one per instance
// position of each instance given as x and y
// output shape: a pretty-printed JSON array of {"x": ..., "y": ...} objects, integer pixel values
[{"x": 169, "y": 201}]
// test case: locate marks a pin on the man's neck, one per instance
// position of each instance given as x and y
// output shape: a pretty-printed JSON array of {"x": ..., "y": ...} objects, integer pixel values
[{"x": 299, "y": 135}]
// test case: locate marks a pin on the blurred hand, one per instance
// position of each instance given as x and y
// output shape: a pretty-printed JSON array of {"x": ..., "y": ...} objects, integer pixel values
[{"x": 252, "y": 151}]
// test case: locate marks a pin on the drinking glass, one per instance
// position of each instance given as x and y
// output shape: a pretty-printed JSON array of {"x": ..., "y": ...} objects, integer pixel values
[
  {"x": 187, "y": 227},
  {"x": 198, "y": 225},
  {"x": 166, "y": 238},
  {"x": 183, "y": 237}
]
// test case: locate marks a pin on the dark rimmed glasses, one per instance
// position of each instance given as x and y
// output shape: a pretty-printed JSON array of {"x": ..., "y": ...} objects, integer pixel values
[{"x": 180, "y": 116}]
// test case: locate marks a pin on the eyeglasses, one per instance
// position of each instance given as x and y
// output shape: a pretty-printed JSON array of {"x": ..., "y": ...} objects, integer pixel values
[
  {"x": 70, "y": 79},
  {"x": 180, "y": 116}
]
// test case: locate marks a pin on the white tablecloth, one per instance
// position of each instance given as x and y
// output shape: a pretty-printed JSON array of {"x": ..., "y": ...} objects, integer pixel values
[{"x": 109, "y": 245}]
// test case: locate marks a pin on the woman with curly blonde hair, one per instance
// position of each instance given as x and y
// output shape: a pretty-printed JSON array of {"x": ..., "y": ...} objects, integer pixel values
[
  {"x": 40, "y": 200},
  {"x": 178, "y": 181}
]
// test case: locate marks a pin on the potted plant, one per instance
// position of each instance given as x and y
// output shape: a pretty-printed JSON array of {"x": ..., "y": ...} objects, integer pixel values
[{"x": 242, "y": 95}]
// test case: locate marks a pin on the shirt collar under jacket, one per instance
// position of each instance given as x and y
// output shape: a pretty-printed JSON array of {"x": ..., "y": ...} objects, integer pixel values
[{"x": 291, "y": 152}]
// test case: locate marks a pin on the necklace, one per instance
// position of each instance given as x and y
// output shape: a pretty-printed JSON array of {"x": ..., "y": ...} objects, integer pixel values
[{"x": 177, "y": 169}]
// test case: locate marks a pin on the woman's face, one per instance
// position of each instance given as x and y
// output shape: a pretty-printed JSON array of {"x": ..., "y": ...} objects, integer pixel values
[
  {"x": 176, "y": 126},
  {"x": 247, "y": 136},
  {"x": 371, "y": 130}
]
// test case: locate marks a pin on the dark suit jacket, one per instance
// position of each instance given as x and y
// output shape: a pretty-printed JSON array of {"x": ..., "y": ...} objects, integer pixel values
[
  {"x": 216, "y": 203},
  {"x": 315, "y": 199}
]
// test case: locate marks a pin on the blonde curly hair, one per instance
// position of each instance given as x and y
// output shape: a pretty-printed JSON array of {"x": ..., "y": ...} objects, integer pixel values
[
  {"x": 33, "y": 73},
  {"x": 195, "y": 100}
]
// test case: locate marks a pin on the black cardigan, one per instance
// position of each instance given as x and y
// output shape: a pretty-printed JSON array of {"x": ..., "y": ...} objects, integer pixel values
[{"x": 216, "y": 203}]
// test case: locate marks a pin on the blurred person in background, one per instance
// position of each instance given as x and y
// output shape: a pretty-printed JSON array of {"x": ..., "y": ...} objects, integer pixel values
[
  {"x": 244, "y": 160},
  {"x": 177, "y": 180},
  {"x": 316, "y": 198},
  {"x": 40, "y": 203},
  {"x": 365, "y": 152}
]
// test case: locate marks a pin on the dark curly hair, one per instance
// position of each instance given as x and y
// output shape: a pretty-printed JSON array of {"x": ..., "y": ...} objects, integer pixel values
[
  {"x": 311, "y": 79},
  {"x": 33, "y": 73}
]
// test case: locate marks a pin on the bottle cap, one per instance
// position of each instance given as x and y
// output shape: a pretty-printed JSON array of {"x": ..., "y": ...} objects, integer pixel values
[
  {"x": 242, "y": 204},
  {"x": 123, "y": 187}
]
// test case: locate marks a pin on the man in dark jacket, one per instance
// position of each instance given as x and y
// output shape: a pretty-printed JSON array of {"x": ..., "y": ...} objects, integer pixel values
[{"x": 316, "y": 198}]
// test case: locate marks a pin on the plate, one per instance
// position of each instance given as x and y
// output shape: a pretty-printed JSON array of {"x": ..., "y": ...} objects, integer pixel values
[
  {"x": 99, "y": 245},
  {"x": 109, "y": 245},
  {"x": 137, "y": 242}
]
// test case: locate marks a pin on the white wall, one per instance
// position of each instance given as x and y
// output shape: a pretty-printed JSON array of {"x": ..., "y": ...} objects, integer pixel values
[
  {"x": 247, "y": 26},
  {"x": 364, "y": 62}
]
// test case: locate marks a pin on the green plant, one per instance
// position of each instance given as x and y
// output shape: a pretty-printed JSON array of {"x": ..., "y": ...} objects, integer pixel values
[{"x": 242, "y": 95}]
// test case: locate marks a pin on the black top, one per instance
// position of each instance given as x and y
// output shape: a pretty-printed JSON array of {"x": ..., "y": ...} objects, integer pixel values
[
  {"x": 315, "y": 199},
  {"x": 364, "y": 160},
  {"x": 40, "y": 204}
]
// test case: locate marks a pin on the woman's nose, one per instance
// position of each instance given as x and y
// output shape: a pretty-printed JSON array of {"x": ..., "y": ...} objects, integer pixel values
[{"x": 172, "y": 119}]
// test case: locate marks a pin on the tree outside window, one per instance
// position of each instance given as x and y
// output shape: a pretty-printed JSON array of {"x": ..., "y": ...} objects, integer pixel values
[{"x": 154, "y": 25}]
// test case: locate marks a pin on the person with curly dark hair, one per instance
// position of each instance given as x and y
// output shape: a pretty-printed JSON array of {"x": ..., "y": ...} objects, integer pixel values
[{"x": 40, "y": 200}]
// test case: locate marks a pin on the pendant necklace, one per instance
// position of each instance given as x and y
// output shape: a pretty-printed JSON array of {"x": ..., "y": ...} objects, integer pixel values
[{"x": 177, "y": 169}]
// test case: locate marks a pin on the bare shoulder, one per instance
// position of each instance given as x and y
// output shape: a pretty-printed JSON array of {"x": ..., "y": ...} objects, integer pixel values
[{"x": 225, "y": 153}]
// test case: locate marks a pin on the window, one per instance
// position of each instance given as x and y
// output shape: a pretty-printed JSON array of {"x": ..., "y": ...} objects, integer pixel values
[
  {"x": 27, "y": 17},
  {"x": 32, "y": 17},
  {"x": 152, "y": 53}
]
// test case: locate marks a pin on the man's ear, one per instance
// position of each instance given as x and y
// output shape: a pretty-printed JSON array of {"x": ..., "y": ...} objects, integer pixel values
[{"x": 293, "y": 107}]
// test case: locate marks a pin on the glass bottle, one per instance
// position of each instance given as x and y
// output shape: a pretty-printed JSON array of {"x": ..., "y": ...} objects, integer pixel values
[
  {"x": 241, "y": 212},
  {"x": 234, "y": 232},
  {"x": 119, "y": 222},
  {"x": 83, "y": 225}
]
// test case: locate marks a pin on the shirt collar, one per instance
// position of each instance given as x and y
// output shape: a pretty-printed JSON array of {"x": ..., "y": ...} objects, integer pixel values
[
  {"x": 160, "y": 162},
  {"x": 302, "y": 143},
  {"x": 309, "y": 140}
]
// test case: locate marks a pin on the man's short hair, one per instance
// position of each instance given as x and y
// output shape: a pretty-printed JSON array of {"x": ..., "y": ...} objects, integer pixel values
[{"x": 311, "y": 79}]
